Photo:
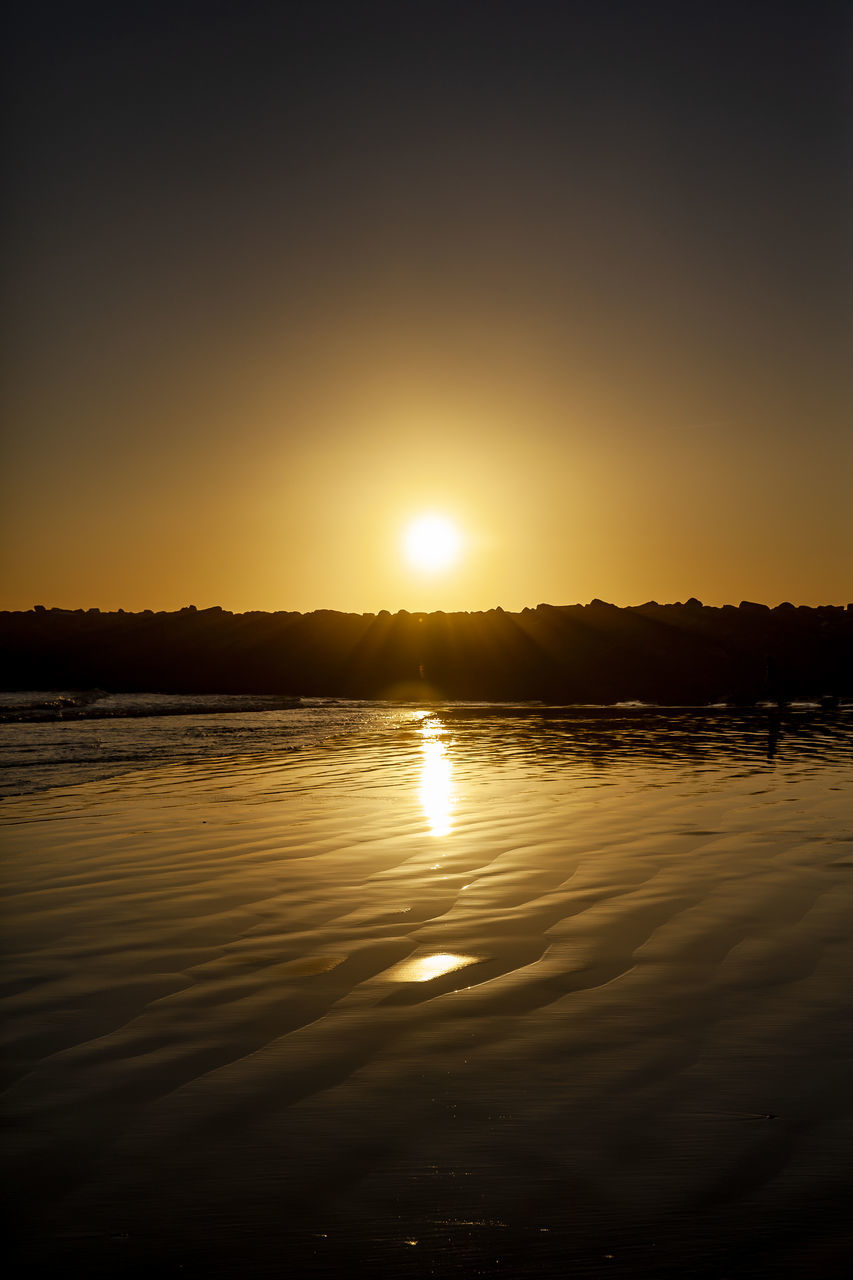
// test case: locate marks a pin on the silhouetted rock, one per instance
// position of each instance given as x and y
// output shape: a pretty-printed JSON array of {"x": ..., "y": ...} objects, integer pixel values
[{"x": 685, "y": 653}]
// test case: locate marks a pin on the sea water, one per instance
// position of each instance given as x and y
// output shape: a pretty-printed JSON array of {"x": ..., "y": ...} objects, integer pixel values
[{"x": 58, "y": 738}]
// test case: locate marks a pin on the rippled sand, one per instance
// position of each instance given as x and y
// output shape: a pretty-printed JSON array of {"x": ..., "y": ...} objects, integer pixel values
[{"x": 449, "y": 1001}]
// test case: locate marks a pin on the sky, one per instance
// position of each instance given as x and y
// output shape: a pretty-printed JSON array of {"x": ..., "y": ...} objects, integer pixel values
[{"x": 284, "y": 277}]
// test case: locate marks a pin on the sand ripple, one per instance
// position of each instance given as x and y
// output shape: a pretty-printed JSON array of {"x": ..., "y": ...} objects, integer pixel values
[{"x": 437, "y": 991}]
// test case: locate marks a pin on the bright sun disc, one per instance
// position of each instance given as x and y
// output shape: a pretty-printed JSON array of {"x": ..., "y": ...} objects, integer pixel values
[{"x": 432, "y": 543}]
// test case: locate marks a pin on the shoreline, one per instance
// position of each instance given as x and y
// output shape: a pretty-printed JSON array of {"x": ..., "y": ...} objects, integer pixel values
[{"x": 81, "y": 705}]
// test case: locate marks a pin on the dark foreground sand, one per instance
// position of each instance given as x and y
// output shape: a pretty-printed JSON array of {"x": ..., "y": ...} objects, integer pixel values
[{"x": 452, "y": 1008}]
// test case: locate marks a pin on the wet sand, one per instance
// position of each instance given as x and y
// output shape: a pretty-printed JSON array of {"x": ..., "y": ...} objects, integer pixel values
[{"x": 442, "y": 1005}]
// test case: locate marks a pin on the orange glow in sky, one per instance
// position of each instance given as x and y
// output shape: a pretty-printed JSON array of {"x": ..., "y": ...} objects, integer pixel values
[{"x": 278, "y": 291}]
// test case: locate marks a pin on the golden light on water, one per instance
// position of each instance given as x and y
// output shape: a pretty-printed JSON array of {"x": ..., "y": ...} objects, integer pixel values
[
  {"x": 425, "y": 968},
  {"x": 436, "y": 790},
  {"x": 432, "y": 543}
]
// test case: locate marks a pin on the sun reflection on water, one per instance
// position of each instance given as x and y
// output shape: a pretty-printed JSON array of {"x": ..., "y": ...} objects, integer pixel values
[{"x": 436, "y": 791}]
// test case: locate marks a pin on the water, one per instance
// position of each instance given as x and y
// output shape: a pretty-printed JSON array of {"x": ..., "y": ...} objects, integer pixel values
[
  {"x": 442, "y": 990},
  {"x": 62, "y": 739}
]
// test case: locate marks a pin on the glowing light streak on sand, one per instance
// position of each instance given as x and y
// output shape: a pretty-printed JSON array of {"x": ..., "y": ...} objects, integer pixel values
[
  {"x": 436, "y": 791},
  {"x": 425, "y": 968}
]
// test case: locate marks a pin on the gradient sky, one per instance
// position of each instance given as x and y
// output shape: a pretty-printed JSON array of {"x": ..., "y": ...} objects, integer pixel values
[{"x": 285, "y": 275}]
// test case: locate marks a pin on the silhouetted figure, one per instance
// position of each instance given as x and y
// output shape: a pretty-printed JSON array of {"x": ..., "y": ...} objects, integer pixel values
[
  {"x": 774, "y": 690},
  {"x": 774, "y": 732}
]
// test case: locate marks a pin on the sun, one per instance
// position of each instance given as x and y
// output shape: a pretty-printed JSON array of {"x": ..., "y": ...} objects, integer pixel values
[{"x": 432, "y": 543}]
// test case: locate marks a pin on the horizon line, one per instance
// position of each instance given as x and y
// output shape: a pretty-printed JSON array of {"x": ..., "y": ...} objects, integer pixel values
[{"x": 692, "y": 602}]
